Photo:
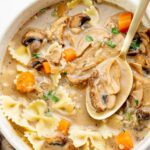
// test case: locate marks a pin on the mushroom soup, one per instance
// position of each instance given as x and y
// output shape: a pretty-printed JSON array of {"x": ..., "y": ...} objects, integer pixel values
[{"x": 52, "y": 64}]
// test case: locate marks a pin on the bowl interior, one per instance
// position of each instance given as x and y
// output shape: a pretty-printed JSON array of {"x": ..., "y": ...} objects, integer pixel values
[{"x": 20, "y": 19}]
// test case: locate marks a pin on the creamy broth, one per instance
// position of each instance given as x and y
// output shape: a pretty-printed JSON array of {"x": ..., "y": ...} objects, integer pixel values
[{"x": 42, "y": 21}]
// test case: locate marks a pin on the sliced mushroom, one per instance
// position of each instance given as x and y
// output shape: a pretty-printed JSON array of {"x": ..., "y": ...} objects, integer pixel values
[
  {"x": 58, "y": 140},
  {"x": 145, "y": 41},
  {"x": 143, "y": 113},
  {"x": 89, "y": 58},
  {"x": 80, "y": 77},
  {"x": 78, "y": 20},
  {"x": 103, "y": 88},
  {"x": 34, "y": 38},
  {"x": 56, "y": 31},
  {"x": 36, "y": 63}
]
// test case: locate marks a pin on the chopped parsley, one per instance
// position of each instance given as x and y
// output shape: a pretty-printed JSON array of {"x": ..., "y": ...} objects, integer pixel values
[
  {"x": 48, "y": 113},
  {"x": 129, "y": 116},
  {"x": 50, "y": 96},
  {"x": 115, "y": 30},
  {"x": 36, "y": 55},
  {"x": 111, "y": 44},
  {"x": 65, "y": 73},
  {"x": 89, "y": 38},
  {"x": 135, "y": 44},
  {"x": 136, "y": 101}
]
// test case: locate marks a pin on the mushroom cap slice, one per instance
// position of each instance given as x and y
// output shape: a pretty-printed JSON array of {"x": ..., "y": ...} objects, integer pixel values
[{"x": 126, "y": 81}]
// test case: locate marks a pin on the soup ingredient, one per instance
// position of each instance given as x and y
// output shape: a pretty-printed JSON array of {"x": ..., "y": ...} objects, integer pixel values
[
  {"x": 50, "y": 95},
  {"x": 111, "y": 44},
  {"x": 25, "y": 82},
  {"x": 36, "y": 63},
  {"x": 21, "y": 50},
  {"x": 104, "y": 86},
  {"x": 46, "y": 67},
  {"x": 143, "y": 113},
  {"x": 58, "y": 140},
  {"x": 69, "y": 54},
  {"x": 36, "y": 55},
  {"x": 136, "y": 101},
  {"x": 115, "y": 30},
  {"x": 124, "y": 140},
  {"x": 89, "y": 38},
  {"x": 63, "y": 126},
  {"x": 73, "y": 3},
  {"x": 135, "y": 44},
  {"x": 124, "y": 21},
  {"x": 78, "y": 20},
  {"x": 93, "y": 13},
  {"x": 34, "y": 39}
]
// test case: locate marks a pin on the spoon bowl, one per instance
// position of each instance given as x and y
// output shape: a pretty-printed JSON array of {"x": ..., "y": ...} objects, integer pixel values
[{"x": 126, "y": 82}]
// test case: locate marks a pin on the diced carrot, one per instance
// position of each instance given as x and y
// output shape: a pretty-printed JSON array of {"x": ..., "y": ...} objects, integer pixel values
[
  {"x": 69, "y": 54},
  {"x": 63, "y": 126},
  {"x": 124, "y": 140},
  {"x": 124, "y": 21},
  {"x": 46, "y": 67},
  {"x": 25, "y": 82}
]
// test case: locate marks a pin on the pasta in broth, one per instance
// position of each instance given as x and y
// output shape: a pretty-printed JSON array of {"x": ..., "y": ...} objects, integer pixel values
[{"x": 50, "y": 63}]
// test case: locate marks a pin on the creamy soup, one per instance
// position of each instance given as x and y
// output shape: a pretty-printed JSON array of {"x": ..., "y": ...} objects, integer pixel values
[{"x": 52, "y": 61}]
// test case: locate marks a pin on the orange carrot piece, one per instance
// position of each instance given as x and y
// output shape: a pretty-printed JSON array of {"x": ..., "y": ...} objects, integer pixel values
[
  {"x": 124, "y": 139},
  {"x": 46, "y": 67},
  {"x": 25, "y": 82},
  {"x": 124, "y": 21},
  {"x": 69, "y": 54},
  {"x": 63, "y": 126}
]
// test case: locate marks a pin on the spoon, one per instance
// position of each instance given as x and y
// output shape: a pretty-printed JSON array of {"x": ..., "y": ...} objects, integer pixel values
[{"x": 126, "y": 79}]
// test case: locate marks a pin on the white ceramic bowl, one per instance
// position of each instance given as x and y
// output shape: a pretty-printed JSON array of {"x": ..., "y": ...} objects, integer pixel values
[{"x": 11, "y": 21}]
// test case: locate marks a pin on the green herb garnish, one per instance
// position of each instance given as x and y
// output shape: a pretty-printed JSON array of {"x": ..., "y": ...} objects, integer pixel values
[
  {"x": 43, "y": 10},
  {"x": 111, "y": 44},
  {"x": 89, "y": 38},
  {"x": 115, "y": 30},
  {"x": 135, "y": 44},
  {"x": 65, "y": 73},
  {"x": 36, "y": 55},
  {"x": 48, "y": 114},
  {"x": 136, "y": 101},
  {"x": 54, "y": 13},
  {"x": 129, "y": 116},
  {"x": 50, "y": 96}
]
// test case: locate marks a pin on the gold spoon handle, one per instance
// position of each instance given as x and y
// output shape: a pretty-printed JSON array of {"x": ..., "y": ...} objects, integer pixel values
[{"x": 134, "y": 25}]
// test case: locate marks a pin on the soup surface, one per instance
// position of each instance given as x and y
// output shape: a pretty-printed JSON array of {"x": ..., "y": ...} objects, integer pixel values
[{"x": 52, "y": 61}]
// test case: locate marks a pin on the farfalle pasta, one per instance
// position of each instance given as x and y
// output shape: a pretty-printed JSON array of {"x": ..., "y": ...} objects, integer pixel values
[
  {"x": 35, "y": 113},
  {"x": 59, "y": 85},
  {"x": 13, "y": 111},
  {"x": 80, "y": 137},
  {"x": 21, "y": 54},
  {"x": 66, "y": 104},
  {"x": 35, "y": 140}
]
